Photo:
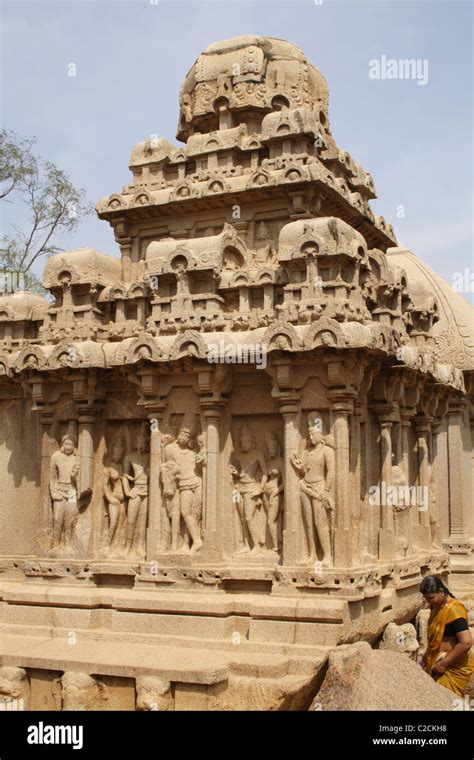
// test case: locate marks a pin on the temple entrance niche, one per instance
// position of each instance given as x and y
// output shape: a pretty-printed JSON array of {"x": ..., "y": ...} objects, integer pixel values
[
  {"x": 183, "y": 484},
  {"x": 66, "y": 482},
  {"x": 257, "y": 469},
  {"x": 125, "y": 490}
]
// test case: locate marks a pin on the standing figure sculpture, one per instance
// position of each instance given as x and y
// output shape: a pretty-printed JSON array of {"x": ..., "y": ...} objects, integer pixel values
[
  {"x": 64, "y": 472},
  {"x": 135, "y": 486},
  {"x": 169, "y": 471},
  {"x": 250, "y": 482},
  {"x": 316, "y": 471},
  {"x": 273, "y": 487},
  {"x": 183, "y": 460},
  {"x": 115, "y": 497}
]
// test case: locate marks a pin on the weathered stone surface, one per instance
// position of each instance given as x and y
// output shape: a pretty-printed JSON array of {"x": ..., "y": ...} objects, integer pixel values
[
  {"x": 245, "y": 441},
  {"x": 362, "y": 678}
]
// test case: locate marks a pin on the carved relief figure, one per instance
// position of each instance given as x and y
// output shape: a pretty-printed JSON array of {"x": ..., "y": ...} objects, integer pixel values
[
  {"x": 250, "y": 482},
  {"x": 263, "y": 243},
  {"x": 115, "y": 497},
  {"x": 273, "y": 487},
  {"x": 135, "y": 486},
  {"x": 182, "y": 461},
  {"x": 316, "y": 471},
  {"x": 169, "y": 471},
  {"x": 64, "y": 472},
  {"x": 401, "y": 511}
]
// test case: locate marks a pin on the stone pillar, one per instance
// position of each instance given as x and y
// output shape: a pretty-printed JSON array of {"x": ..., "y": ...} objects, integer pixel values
[
  {"x": 125, "y": 248},
  {"x": 244, "y": 302},
  {"x": 267, "y": 297},
  {"x": 292, "y": 507},
  {"x": 421, "y": 527},
  {"x": 86, "y": 451},
  {"x": 423, "y": 432},
  {"x": 387, "y": 544},
  {"x": 434, "y": 504},
  {"x": 211, "y": 409},
  {"x": 358, "y": 511},
  {"x": 341, "y": 408},
  {"x": 406, "y": 416},
  {"x": 386, "y": 474},
  {"x": 458, "y": 541},
  {"x": 154, "y": 523},
  {"x": 46, "y": 423}
]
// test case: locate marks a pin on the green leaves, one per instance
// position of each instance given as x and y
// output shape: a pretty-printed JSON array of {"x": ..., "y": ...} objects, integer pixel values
[{"x": 53, "y": 206}]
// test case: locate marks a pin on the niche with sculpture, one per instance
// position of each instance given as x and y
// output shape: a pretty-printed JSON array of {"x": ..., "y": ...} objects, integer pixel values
[
  {"x": 315, "y": 467},
  {"x": 257, "y": 469}
]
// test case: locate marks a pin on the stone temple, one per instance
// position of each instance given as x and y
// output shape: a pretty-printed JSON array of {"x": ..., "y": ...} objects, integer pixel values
[{"x": 245, "y": 442}]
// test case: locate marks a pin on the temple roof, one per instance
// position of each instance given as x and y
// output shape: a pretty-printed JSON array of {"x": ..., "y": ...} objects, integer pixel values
[
  {"x": 454, "y": 331},
  {"x": 249, "y": 72},
  {"x": 22, "y": 305},
  {"x": 84, "y": 265}
]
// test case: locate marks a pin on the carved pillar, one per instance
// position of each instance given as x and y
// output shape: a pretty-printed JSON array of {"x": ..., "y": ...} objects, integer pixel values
[
  {"x": 358, "y": 512},
  {"x": 341, "y": 408},
  {"x": 244, "y": 302},
  {"x": 292, "y": 508},
  {"x": 267, "y": 297},
  {"x": 46, "y": 423},
  {"x": 387, "y": 542},
  {"x": 86, "y": 450},
  {"x": 154, "y": 527},
  {"x": 423, "y": 432},
  {"x": 457, "y": 507},
  {"x": 434, "y": 503},
  {"x": 211, "y": 410},
  {"x": 386, "y": 474},
  {"x": 406, "y": 415},
  {"x": 125, "y": 248}
]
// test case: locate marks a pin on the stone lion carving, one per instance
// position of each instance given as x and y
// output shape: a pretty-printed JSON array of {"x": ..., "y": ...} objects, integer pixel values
[
  {"x": 400, "y": 638},
  {"x": 153, "y": 693},
  {"x": 80, "y": 691},
  {"x": 14, "y": 688}
]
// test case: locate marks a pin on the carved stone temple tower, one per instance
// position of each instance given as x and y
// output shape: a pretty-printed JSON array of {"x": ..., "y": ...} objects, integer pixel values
[{"x": 244, "y": 442}]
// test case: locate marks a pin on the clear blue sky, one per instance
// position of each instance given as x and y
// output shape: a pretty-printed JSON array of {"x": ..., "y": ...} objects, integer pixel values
[{"x": 131, "y": 57}]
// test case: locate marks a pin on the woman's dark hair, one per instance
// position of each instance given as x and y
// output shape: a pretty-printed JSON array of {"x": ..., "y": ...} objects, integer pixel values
[{"x": 433, "y": 584}]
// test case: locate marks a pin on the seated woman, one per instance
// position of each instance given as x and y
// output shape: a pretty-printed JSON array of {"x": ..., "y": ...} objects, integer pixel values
[{"x": 447, "y": 658}]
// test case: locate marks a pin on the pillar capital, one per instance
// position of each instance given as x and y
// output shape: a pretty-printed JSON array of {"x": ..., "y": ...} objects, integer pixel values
[
  {"x": 212, "y": 407},
  {"x": 457, "y": 405},
  {"x": 423, "y": 425},
  {"x": 342, "y": 401}
]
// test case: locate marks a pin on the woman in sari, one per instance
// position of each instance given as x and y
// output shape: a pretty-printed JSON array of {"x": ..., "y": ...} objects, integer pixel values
[{"x": 447, "y": 658}]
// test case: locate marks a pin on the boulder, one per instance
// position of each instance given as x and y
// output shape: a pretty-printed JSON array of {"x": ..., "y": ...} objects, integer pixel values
[{"x": 362, "y": 678}]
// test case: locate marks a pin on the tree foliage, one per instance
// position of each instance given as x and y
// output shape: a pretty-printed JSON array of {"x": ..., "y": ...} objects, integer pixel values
[{"x": 53, "y": 206}]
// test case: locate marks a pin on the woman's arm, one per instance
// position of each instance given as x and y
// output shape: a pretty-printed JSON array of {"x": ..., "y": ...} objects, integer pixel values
[{"x": 463, "y": 645}]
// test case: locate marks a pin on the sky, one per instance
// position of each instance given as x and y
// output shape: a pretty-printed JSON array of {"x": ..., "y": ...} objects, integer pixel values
[{"x": 131, "y": 57}]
